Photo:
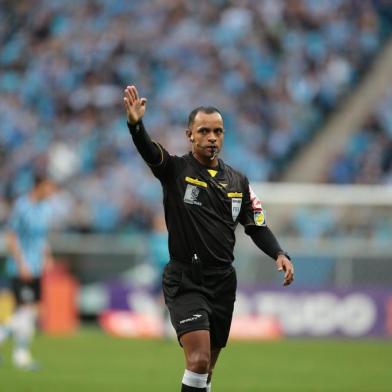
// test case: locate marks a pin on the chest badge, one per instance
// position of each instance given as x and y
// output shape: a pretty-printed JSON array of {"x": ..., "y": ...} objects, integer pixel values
[
  {"x": 191, "y": 195},
  {"x": 235, "y": 207}
]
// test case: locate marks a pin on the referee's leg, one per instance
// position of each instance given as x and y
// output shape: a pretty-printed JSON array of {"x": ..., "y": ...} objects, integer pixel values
[
  {"x": 196, "y": 345},
  {"x": 214, "y": 358}
]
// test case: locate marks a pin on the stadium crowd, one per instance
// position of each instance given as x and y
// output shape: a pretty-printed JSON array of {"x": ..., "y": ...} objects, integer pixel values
[
  {"x": 367, "y": 157},
  {"x": 274, "y": 67}
]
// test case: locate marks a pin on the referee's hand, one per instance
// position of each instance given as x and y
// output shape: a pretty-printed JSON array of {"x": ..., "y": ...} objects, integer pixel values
[
  {"x": 134, "y": 105},
  {"x": 284, "y": 264}
]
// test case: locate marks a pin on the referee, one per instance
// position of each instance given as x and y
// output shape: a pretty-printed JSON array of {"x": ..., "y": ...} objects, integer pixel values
[{"x": 204, "y": 199}]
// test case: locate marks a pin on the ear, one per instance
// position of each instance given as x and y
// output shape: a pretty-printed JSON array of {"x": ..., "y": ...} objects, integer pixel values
[{"x": 188, "y": 133}]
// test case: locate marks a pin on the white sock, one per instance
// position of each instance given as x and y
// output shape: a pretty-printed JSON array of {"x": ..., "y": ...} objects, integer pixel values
[
  {"x": 23, "y": 327},
  {"x": 194, "y": 380}
]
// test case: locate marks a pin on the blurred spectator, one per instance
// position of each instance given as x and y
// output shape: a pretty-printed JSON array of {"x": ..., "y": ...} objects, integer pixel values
[
  {"x": 274, "y": 67},
  {"x": 367, "y": 157}
]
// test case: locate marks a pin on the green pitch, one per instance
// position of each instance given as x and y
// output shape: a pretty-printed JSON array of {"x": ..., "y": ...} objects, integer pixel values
[{"x": 92, "y": 361}]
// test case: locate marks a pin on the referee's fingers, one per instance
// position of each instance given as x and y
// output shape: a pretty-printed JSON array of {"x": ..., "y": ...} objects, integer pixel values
[
  {"x": 288, "y": 281},
  {"x": 128, "y": 95},
  {"x": 279, "y": 264},
  {"x": 135, "y": 92},
  {"x": 126, "y": 104},
  {"x": 289, "y": 275}
]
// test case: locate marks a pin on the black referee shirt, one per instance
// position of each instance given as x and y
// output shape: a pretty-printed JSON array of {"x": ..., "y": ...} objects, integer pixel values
[{"x": 203, "y": 207}]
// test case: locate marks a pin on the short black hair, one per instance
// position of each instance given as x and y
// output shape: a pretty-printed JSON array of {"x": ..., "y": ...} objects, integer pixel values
[{"x": 203, "y": 109}]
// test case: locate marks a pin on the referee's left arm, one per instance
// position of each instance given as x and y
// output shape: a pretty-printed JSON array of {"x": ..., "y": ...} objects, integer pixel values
[
  {"x": 263, "y": 237},
  {"x": 252, "y": 217}
]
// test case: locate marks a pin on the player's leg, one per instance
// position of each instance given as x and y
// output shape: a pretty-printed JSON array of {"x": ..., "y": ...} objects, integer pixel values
[
  {"x": 196, "y": 345},
  {"x": 7, "y": 305},
  {"x": 7, "y": 308},
  {"x": 214, "y": 358},
  {"x": 24, "y": 321},
  {"x": 23, "y": 326},
  {"x": 5, "y": 332}
]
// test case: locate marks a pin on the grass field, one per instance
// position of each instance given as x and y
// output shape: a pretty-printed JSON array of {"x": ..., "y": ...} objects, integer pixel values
[{"x": 92, "y": 361}]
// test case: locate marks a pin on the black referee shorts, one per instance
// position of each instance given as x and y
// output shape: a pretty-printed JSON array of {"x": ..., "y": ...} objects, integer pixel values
[
  {"x": 26, "y": 292},
  {"x": 207, "y": 306}
]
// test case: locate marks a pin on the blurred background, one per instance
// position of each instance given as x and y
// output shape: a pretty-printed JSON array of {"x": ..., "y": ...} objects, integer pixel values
[{"x": 305, "y": 90}]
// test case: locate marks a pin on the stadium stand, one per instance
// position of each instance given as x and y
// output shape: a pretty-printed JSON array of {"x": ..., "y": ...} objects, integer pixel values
[
  {"x": 275, "y": 68},
  {"x": 367, "y": 157}
]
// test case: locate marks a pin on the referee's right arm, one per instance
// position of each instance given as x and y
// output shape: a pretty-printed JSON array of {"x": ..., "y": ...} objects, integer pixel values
[
  {"x": 149, "y": 150},
  {"x": 136, "y": 108},
  {"x": 162, "y": 164}
]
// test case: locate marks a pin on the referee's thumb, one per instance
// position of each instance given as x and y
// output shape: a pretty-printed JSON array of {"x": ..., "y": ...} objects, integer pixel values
[{"x": 143, "y": 101}]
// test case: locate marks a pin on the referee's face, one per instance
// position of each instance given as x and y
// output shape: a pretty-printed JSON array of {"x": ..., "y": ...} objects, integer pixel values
[{"x": 206, "y": 135}]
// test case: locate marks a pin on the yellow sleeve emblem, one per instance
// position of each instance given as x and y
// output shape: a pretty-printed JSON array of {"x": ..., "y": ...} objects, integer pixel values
[{"x": 259, "y": 218}]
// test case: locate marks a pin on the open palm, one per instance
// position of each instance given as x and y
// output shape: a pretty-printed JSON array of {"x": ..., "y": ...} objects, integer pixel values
[{"x": 134, "y": 105}]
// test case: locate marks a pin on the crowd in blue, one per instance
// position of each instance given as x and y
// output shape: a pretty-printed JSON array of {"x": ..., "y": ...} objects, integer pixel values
[
  {"x": 273, "y": 67},
  {"x": 367, "y": 157}
]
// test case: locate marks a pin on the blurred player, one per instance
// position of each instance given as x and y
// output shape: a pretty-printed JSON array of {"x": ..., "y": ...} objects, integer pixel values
[
  {"x": 204, "y": 199},
  {"x": 29, "y": 255}
]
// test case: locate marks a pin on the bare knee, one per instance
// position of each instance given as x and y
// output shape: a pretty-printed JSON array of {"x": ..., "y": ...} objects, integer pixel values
[{"x": 199, "y": 362}]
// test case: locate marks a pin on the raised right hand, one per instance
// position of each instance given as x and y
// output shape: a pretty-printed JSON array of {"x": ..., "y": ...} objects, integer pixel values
[{"x": 134, "y": 105}]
